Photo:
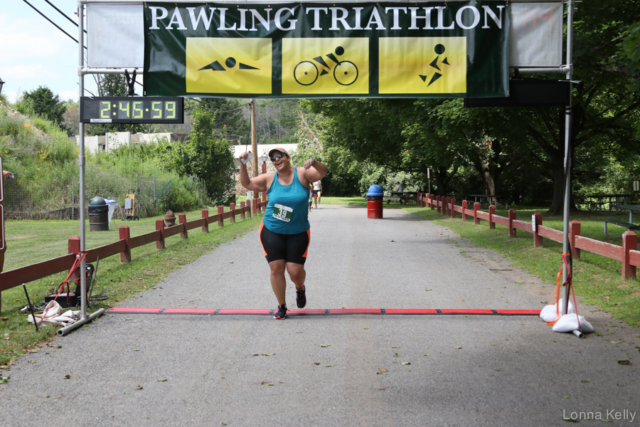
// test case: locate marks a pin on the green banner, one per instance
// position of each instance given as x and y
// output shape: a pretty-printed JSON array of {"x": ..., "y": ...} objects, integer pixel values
[{"x": 322, "y": 50}]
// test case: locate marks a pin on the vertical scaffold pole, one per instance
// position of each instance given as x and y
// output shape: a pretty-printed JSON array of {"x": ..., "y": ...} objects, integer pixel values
[
  {"x": 567, "y": 157},
  {"x": 81, "y": 160}
]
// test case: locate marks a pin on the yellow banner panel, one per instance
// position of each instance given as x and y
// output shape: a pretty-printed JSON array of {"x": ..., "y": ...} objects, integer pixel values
[
  {"x": 325, "y": 65},
  {"x": 423, "y": 65},
  {"x": 228, "y": 65}
]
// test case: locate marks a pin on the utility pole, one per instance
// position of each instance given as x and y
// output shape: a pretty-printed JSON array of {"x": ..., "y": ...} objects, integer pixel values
[{"x": 254, "y": 141}]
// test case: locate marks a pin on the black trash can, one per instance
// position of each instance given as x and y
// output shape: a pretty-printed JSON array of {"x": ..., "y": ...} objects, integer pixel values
[{"x": 98, "y": 215}]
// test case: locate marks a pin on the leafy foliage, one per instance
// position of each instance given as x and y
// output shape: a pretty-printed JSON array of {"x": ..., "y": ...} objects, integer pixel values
[
  {"x": 208, "y": 157},
  {"x": 43, "y": 103}
]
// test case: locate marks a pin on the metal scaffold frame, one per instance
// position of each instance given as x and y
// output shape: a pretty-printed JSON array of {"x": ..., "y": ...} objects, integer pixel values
[{"x": 83, "y": 70}]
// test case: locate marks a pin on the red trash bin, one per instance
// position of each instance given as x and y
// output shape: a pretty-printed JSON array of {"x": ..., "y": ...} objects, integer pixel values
[
  {"x": 374, "y": 209},
  {"x": 374, "y": 202}
]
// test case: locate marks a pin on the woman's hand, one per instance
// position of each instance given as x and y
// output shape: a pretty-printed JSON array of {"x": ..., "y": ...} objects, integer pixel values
[
  {"x": 309, "y": 163},
  {"x": 243, "y": 156}
]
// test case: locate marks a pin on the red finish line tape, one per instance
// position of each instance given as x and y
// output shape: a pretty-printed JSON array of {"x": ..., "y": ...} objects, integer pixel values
[
  {"x": 465, "y": 311},
  {"x": 310, "y": 311},
  {"x": 245, "y": 311},
  {"x": 519, "y": 312},
  {"x": 355, "y": 311},
  {"x": 189, "y": 311},
  {"x": 411, "y": 311},
  {"x": 296, "y": 312},
  {"x": 135, "y": 310}
]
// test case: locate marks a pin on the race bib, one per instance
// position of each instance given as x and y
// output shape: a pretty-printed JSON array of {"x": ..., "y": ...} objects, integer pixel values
[{"x": 283, "y": 213}]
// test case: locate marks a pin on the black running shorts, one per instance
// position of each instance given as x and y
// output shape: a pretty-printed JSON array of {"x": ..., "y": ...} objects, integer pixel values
[{"x": 289, "y": 247}]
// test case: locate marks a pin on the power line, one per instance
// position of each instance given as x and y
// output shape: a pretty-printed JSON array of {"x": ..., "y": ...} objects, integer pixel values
[
  {"x": 53, "y": 23},
  {"x": 62, "y": 13}
]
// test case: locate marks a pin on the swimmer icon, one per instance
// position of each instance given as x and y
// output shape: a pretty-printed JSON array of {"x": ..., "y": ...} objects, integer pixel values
[{"x": 345, "y": 73}]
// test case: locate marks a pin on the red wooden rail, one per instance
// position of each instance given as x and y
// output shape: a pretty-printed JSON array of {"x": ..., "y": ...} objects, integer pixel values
[
  {"x": 627, "y": 254},
  {"x": 29, "y": 273}
]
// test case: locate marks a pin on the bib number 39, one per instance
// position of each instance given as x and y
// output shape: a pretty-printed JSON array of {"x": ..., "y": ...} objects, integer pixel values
[{"x": 283, "y": 213}]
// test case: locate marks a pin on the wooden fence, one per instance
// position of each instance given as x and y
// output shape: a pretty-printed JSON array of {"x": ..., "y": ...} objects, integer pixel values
[
  {"x": 627, "y": 254},
  {"x": 29, "y": 273}
]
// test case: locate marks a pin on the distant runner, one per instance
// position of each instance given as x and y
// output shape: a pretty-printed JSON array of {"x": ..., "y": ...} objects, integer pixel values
[
  {"x": 284, "y": 232},
  {"x": 317, "y": 192}
]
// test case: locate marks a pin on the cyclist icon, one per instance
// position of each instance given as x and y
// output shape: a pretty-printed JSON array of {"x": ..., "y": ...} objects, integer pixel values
[
  {"x": 439, "y": 50},
  {"x": 345, "y": 73}
]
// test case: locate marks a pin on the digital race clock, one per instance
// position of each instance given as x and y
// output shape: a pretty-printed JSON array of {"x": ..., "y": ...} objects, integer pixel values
[{"x": 120, "y": 109}]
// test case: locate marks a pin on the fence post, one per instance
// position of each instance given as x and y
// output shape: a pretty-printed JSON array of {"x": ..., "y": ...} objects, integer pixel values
[
  {"x": 432, "y": 199},
  {"x": 254, "y": 206},
  {"x": 205, "y": 215},
  {"x": 629, "y": 243},
  {"x": 259, "y": 204},
  {"x": 123, "y": 230},
  {"x": 74, "y": 245},
  {"x": 537, "y": 238},
  {"x": 438, "y": 203},
  {"x": 445, "y": 207},
  {"x": 492, "y": 212},
  {"x": 264, "y": 197},
  {"x": 512, "y": 216},
  {"x": 221, "y": 220},
  {"x": 242, "y": 210},
  {"x": 160, "y": 228},
  {"x": 74, "y": 248},
  {"x": 248, "y": 205},
  {"x": 232, "y": 206},
  {"x": 182, "y": 220},
  {"x": 476, "y": 208},
  {"x": 574, "y": 230},
  {"x": 464, "y": 206},
  {"x": 453, "y": 208}
]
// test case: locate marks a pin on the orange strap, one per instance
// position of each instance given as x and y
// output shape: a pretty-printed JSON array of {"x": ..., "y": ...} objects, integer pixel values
[{"x": 556, "y": 292}]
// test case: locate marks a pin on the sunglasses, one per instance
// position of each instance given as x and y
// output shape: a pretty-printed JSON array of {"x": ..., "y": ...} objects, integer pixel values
[{"x": 277, "y": 156}]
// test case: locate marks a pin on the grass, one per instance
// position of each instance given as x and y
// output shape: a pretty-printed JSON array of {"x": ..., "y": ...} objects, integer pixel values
[
  {"x": 596, "y": 279},
  {"x": 29, "y": 242},
  {"x": 354, "y": 201}
]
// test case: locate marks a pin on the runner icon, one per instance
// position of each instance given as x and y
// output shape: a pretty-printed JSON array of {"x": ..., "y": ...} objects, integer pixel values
[
  {"x": 344, "y": 72},
  {"x": 439, "y": 49}
]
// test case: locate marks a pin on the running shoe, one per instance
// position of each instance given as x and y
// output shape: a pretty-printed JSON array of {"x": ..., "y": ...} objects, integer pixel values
[
  {"x": 301, "y": 297},
  {"x": 281, "y": 313}
]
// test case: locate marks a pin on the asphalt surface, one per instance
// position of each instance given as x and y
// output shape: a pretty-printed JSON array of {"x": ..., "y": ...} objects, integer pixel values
[{"x": 335, "y": 370}]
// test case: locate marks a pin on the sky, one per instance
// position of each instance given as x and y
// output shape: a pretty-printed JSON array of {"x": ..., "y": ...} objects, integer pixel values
[{"x": 34, "y": 53}]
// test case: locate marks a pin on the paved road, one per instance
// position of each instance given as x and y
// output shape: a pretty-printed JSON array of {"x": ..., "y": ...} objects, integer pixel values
[{"x": 328, "y": 370}]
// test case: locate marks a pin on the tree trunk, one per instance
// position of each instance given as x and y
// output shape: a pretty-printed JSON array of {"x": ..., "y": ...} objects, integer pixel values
[
  {"x": 557, "y": 204},
  {"x": 488, "y": 179}
]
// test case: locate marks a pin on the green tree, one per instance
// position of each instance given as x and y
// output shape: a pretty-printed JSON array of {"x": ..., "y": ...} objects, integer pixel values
[
  {"x": 206, "y": 156},
  {"x": 45, "y": 104},
  {"x": 227, "y": 116},
  {"x": 277, "y": 120}
]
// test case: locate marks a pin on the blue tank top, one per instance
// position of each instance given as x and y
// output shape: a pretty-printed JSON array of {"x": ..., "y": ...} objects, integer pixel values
[{"x": 288, "y": 209}]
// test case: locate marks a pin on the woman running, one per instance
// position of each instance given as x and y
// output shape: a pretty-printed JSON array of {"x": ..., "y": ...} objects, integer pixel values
[{"x": 284, "y": 232}]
